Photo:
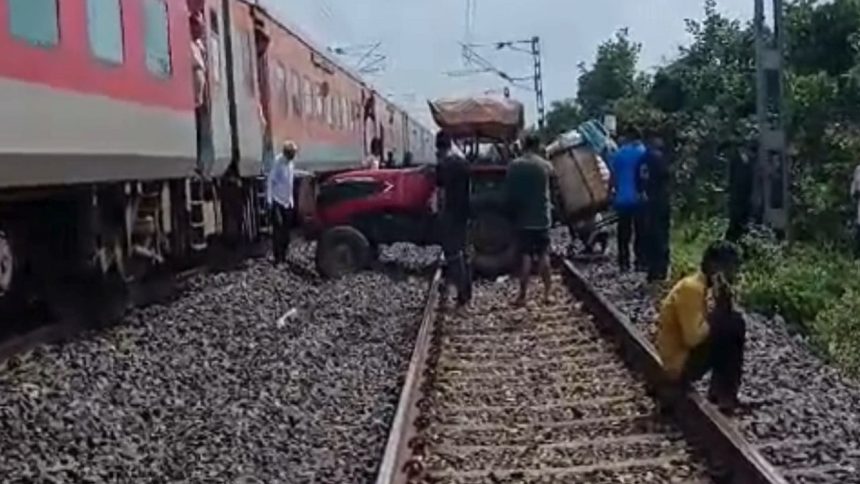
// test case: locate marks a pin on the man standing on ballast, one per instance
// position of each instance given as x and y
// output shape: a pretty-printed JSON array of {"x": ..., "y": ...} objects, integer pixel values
[
  {"x": 453, "y": 179},
  {"x": 527, "y": 189}
]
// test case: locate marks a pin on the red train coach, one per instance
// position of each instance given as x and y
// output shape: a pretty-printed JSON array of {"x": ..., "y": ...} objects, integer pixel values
[
  {"x": 94, "y": 91},
  {"x": 110, "y": 167}
]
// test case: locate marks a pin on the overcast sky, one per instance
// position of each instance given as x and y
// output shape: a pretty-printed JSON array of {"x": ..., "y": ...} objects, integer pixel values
[{"x": 420, "y": 38}]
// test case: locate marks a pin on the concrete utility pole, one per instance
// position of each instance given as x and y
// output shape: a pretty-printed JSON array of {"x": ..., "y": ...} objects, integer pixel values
[
  {"x": 771, "y": 195},
  {"x": 541, "y": 108}
]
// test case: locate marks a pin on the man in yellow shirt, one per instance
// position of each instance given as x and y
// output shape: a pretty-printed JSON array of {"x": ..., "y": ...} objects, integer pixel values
[{"x": 700, "y": 330}]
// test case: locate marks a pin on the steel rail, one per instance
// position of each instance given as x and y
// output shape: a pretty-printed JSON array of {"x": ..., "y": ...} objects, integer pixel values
[
  {"x": 397, "y": 449},
  {"x": 698, "y": 419},
  {"x": 701, "y": 423}
]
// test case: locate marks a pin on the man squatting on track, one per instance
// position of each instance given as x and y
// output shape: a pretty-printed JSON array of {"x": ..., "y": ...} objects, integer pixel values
[
  {"x": 527, "y": 188},
  {"x": 699, "y": 330},
  {"x": 452, "y": 177},
  {"x": 279, "y": 195}
]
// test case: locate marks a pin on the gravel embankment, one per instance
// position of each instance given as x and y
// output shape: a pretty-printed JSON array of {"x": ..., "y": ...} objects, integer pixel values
[
  {"x": 804, "y": 415},
  {"x": 220, "y": 385}
]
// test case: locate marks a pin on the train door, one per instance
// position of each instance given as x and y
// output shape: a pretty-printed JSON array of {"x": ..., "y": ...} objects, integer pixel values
[
  {"x": 246, "y": 114},
  {"x": 406, "y": 143},
  {"x": 213, "y": 126},
  {"x": 368, "y": 120},
  {"x": 262, "y": 41}
]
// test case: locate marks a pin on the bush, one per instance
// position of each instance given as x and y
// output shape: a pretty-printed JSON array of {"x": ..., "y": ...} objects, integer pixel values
[{"x": 837, "y": 331}]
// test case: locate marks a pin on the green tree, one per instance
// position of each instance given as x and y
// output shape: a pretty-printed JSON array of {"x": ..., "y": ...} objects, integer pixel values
[
  {"x": 562, "y": 116},
  {"x": 612, "y": 77}
]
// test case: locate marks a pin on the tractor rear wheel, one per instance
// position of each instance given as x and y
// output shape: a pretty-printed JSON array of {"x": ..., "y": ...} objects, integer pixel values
[
  {"x": 342, "y": 251},
  {"x": 493, "y": 245}
]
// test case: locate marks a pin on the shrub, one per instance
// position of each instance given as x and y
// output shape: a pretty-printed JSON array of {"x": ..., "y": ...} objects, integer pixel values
[{"x": 837, "y": 331}]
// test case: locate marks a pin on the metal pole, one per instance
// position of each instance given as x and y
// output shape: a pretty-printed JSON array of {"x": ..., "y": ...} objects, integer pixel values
[
  {"x": 771, "y": 196},
  {"x": 538, "y": 78}
]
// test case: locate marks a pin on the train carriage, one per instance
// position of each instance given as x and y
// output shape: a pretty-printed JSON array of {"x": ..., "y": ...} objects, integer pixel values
[
  {"x": 311, "y": 100},
  {"x": 109, "y": 166},
  {"x": 94, "y": 91}
]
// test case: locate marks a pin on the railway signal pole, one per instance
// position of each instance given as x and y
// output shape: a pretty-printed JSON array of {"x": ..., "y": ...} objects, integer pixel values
[{"x": 771, "y": 195}]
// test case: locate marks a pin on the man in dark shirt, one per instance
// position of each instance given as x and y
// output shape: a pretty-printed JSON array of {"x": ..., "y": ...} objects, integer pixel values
[
  {"x": 741, "y": 171},
  {"x": 452, "y": 177},
  {"x": 527, "y": 188},
  {"x": 658, "y": 209}
]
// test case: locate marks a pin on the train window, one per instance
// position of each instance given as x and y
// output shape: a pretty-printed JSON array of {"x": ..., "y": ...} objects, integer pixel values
[
  {"x": 157, "y": 38},
  {"x": 296, "y": 90},
  {"x": 319, "y": 103},
  {"x": 34, "y": 21},
  {"x": 283, "y": 97},
  {"x": 104, "y": 26},
  {"x": 335, "y": 115},
  {"x": 309, "y": 104}
]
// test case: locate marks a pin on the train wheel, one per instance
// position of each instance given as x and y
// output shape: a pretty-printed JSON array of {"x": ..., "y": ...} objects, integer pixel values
[{"x": 11, "y": 268}]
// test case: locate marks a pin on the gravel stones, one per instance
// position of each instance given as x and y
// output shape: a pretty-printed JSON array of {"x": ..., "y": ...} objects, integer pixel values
[
  {"x": 805, "y": 415},
  {"x": 535, "y": 395},
  {"x": 259, "y": 375}
]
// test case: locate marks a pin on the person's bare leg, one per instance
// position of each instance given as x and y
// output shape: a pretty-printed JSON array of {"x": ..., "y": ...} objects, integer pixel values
[
  {"x": 525, "y": 273},
  {"x": 546, "y": 276}
]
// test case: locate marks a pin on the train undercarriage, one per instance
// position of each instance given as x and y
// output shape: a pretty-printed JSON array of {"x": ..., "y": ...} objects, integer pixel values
[{"x": 79, "y": 252}]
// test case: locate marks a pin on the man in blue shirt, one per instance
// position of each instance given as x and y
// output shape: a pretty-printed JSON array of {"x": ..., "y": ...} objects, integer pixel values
[{"x": 627, "y": 170}]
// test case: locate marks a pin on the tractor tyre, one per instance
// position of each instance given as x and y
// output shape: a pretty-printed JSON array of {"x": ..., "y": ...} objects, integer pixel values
[
  {"x": 493, "y": 244},
  {"x": 342, "y": 251}
]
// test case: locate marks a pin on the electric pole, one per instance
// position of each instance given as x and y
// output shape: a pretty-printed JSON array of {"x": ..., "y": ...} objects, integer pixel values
[
  {"x": 771, "y": 195},
  {"x": 541, "y": 109}
]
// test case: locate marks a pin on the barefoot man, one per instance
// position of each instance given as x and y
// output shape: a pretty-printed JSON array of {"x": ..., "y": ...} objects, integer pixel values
[{"x": 527, "y": 189}]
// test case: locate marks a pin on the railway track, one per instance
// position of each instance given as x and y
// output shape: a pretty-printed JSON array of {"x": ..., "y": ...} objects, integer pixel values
[{"x": 556, "y": 393}]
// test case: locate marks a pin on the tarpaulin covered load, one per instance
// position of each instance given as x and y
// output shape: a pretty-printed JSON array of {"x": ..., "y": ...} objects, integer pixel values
[
  {"x": 500, "y": 119},
  {"x": 583, "y": 178}
]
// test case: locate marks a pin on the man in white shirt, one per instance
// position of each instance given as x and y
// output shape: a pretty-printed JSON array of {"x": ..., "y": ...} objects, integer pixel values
[
  {"x": 279, "y": 195},
  {"x": 855, "y": 195}
]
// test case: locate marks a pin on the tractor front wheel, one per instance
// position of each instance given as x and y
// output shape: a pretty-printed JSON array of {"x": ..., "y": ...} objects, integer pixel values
[{"x": 342, "y": 251}]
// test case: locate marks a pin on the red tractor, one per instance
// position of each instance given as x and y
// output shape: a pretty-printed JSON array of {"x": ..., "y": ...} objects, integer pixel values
[{"x": 352, "y": 214}]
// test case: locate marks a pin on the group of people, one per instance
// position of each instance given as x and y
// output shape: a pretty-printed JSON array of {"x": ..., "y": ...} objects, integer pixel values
[
  {"x": 640, "y": 179},
  {"x": 699, "y": 327},
  {"x": 374, "y": 160},
  {"x": 528, "y": 199}
]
